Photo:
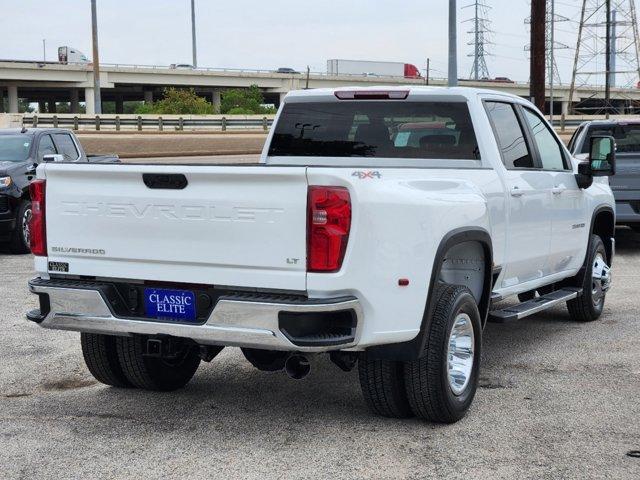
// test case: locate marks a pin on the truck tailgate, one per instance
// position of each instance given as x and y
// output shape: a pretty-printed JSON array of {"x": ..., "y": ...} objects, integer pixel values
[
  {"x": 627, "y": 177},
  {"x": 231, "y": 225}
]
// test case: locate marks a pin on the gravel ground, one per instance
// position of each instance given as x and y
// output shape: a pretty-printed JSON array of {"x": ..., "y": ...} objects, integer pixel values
[{"x": 557, "y": 399}]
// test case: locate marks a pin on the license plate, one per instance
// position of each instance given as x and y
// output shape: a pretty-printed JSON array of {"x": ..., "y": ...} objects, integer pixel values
[{"x": 166, "y": 304}]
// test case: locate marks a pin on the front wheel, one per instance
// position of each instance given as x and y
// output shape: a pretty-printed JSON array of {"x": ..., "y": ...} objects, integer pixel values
[
  {"x": 20, "y": 238},
  {"x": 442, "y": 383},
  {"x": 588, "y": 306}
]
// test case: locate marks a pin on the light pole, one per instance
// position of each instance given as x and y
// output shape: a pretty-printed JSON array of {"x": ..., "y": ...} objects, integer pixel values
[
  {"x": 193, "y": 34},
  {"x": 97, "y": 102},
  {"x": 44, "y": 49},
  {"x": 453, "y": 45},
  {"x": 552, "y": 61}
]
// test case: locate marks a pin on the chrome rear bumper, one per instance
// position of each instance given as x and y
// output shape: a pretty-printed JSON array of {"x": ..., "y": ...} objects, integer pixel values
[{"x": 242, "y": 323}]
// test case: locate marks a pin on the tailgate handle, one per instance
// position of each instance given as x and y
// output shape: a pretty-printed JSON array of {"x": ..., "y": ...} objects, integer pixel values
[{"x": 167, "y": 181}]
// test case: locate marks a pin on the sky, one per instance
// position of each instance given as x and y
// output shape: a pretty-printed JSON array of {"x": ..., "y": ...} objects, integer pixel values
[{"x": 258, "y": 34}]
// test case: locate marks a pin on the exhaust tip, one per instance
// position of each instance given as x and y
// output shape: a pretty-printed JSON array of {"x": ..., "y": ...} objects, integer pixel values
[{"x": 297, "y": 367}]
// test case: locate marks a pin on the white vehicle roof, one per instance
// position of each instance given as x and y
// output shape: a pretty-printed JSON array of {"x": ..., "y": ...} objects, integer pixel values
[{"x": 414, "y": 91}]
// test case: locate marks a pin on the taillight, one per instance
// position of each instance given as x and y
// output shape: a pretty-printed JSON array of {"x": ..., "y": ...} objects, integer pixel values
[
  {"x": 328, "y": 225},
  {"x": 37, "y": 227}
]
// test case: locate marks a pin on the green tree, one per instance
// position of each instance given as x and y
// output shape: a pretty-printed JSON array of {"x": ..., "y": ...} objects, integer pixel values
[
  {"x": 24, "y": 106},
  {"x": 244, "y": 101},
  {"x": 178, "y": 101}
]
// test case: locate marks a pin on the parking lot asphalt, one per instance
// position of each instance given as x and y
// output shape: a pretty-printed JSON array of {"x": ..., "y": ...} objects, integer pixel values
[{"x": 557, "y": 399}]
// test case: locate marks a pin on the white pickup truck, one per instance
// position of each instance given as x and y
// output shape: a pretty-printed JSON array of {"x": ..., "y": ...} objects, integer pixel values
[{"x": 381, "y": 226}]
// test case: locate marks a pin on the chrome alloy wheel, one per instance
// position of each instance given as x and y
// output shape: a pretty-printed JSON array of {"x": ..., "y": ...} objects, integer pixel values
[
  {"x": 460, "y": 353},
  {"x": 26, "y": 226},
  {"x": 600, "y": 279}
]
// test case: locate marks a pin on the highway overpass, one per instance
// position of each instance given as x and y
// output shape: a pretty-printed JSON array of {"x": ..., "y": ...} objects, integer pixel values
[{"x": 51, "y": 82}]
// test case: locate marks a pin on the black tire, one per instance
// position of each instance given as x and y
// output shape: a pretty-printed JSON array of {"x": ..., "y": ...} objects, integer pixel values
[
  {"x": 382, "y": 384},
  {"x": 101, "y": 357},
  {"x": 588, "y": 306},
  {"x": 635, "y": 228},
  {"x": 154, "y": 373},
  {"x": 427, "y": 380},
  {"x": 19, "y": 242}
]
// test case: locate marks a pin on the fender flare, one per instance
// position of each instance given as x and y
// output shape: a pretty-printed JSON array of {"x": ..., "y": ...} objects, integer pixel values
[
  {"x": 577, "y": 280},
  {"x": 413, "y": 349}
]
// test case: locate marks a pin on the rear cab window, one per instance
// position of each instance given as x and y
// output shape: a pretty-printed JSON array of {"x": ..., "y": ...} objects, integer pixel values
[{"x": 389, "y": 129}]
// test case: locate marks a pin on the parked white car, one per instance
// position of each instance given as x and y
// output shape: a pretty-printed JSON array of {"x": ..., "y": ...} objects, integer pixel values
[{"x": 380, "y": 226}]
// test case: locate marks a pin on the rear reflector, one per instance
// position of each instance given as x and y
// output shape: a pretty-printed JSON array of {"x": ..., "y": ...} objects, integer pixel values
[
  {"x": 371, "y": 94},
  {"x": 37, "y": 225},
  {"x": 328, "y": 225}
]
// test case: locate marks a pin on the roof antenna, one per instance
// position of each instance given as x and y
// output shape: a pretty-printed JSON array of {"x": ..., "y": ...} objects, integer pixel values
[{"x": 24, "y": 129}]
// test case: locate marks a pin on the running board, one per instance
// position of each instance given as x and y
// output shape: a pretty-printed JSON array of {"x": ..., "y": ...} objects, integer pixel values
[{"x": 524, "y": 309}]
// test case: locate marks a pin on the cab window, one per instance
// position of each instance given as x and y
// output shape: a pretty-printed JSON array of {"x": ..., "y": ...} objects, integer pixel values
[
  {"x": 510, "y": 136},
  {"x": 66, "y": 146},
  {"x": 548, "y": 147},
  {"x": 46, "y": 147}
]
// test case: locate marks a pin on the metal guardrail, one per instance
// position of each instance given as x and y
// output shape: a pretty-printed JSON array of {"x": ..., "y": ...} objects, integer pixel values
[{"x": 139, "y": 122}]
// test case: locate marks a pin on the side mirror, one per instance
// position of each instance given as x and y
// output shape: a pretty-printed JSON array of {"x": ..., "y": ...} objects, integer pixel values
[
  {"x": 53, "y": 157},
  {"x": 602, "y": 156}
]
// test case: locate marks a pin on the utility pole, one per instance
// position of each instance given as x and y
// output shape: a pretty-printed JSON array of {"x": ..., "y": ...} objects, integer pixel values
[
  {"x": 426, "y": 77},
  {"x": 193, "y": 34},
  {"x": 453, "y": 45},
  {"x": 44, "y": 49},
  {"x": 537, "y": 66},
  {"x": 614, "y": 54},
  {"x": 607, "y": 61},
  {"x": 96, "y": 60},
  {"x": 480, "y": 31}
]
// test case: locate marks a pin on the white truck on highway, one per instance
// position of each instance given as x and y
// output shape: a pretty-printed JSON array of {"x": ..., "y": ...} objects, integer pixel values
[
  {"x": 383, "y": 226},
  {"x": 372, "y": 68}
]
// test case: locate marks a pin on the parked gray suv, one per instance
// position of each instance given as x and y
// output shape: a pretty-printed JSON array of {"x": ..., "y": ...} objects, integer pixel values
[{"x": 626, "y": 182}]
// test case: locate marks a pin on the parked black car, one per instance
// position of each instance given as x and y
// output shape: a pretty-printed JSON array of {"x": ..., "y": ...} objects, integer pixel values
[
  {"x": 21, "y": 150},
  {"x": 626, "y": 182}
]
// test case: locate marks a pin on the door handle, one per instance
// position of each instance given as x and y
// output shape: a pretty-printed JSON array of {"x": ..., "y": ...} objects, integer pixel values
[
  {"x": 558, "y": 189},
  {"x": 516, "y": 192}
]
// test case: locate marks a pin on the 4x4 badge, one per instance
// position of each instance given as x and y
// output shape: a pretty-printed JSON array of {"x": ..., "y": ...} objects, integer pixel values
[{"x": 363, "y": 174}]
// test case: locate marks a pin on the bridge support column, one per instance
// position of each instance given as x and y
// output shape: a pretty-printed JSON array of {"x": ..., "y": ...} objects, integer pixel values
[
  {"x": 12, "y": 93},
  {"x": 148, "y": 96},
  {"x": 119, "y": 104},
  {"x": 74, "y": 105},
  {"x": 88, "y": 100},
  {"x": 565, "y": 107},
  {"x": 215, "y": 99},
  {"x": 42, "y": 106},
  {"x": 52, "y": 106},
  {"x": 1, "y": 99},
  {"x": 282, "y": 95}
]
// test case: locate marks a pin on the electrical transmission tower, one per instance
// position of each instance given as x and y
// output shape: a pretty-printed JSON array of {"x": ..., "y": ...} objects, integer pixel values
[
  {"x": 551, "y": 45},
  {"x": 480, "y": 31},
  {"x": 607, "y": 49}
]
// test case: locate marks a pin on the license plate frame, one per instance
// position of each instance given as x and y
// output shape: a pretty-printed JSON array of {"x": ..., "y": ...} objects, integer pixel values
[{"x": 169, "y": 304}]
